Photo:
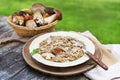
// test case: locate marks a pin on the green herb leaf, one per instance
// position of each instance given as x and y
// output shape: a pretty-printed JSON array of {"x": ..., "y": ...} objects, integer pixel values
[{"x": 35, "y": 51}]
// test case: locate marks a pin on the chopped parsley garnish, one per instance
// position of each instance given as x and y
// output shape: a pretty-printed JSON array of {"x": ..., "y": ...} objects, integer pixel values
[{"x": 35, "y": 51}]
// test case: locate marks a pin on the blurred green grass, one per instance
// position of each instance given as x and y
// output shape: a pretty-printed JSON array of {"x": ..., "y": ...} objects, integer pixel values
[{"x": 101, "y": 17}]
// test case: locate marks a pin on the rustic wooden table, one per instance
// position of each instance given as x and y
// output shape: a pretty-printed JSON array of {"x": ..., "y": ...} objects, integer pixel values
[{"x": 12, "y": 64}]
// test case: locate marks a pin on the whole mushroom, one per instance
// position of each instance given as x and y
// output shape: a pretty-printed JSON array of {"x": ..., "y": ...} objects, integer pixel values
[
  {"x": 56, "y": 16},
  {"x": 38, "y": 10},
  {"x": 38, "y": 15},
  {"x": 26, "y": 15},
  {"x": 18, "y": 19},
  {"x": 21, "y": 17}
]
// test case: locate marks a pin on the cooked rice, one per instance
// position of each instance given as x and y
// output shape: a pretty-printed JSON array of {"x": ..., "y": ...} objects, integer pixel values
[{"x": 71, "y": 47}]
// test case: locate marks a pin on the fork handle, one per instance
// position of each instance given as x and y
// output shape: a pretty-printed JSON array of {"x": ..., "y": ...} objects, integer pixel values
[{"x": 96, "y": 60}]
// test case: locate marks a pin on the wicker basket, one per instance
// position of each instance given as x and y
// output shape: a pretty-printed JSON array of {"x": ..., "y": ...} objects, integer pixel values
[{"x": 29, "y": 32}]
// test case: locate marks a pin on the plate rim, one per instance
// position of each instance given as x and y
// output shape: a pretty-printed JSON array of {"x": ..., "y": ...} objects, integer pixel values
[
  {"x": 29, "y": 60},
  {"x": 56, "y": 64}
]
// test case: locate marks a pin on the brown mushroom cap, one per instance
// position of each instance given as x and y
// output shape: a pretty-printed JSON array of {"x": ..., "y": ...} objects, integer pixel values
[
  {"x": 49, "y": 10},
  {"x": 38, "y": 6},
  {"x": 59, "y": 15}
]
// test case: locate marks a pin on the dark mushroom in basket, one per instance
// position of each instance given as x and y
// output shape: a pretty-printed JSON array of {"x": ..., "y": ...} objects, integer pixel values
[{"x": 49, "y": 10}]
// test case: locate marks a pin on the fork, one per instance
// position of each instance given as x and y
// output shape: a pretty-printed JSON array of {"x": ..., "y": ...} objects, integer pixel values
[{"x": 95, "y": 59}]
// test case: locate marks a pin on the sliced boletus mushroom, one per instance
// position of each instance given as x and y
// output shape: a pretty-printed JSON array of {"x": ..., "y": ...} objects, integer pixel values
[{"x": 57, "y": 50}]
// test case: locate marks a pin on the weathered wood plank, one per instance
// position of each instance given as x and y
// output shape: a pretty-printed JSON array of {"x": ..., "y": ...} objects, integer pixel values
[
  {"x": 12, "y": 70},
  {"x": 11, "y": 60},
  {"x": 3, "y": 18},
  {"x": 4, "y": 27},
  {"x": 31, "y": 74},
  {"x": 8, "y": 48},
  {"x": 6, "y": 34},
  {"x": 12, "y": 64},
  {"x": 10, "y": 56}
]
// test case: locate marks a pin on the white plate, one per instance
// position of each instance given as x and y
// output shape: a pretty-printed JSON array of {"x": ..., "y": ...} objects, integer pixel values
[{"x": 35, "y": 44}]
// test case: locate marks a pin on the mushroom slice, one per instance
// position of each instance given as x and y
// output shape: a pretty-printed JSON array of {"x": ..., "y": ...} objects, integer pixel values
[
  {"x": 57, "y": 50},
  {"x": 47, "y": 56}
]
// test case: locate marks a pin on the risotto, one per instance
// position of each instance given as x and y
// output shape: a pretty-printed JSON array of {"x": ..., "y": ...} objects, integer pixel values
[{"x": 61, "y": 49}]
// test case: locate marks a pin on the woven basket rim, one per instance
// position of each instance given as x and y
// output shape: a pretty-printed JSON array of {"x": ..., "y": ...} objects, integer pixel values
[{"x": 28, "y": 28}]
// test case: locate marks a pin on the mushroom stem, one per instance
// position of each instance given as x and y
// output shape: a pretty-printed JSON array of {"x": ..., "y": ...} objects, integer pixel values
[
  {"x": 50, "y": 18},
  {"x": 56, "y": 16},
  {"x": 38, "y": 10},
  {"x": 31, "y": 24},
  {"x": 38, "y": 18}
]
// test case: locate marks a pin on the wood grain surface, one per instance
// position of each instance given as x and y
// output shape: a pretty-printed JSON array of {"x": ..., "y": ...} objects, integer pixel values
[{"x": 12, "y": 64}]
